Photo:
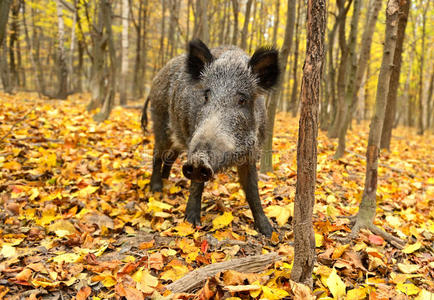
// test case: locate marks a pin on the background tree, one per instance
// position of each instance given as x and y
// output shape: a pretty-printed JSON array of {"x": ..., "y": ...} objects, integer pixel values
[
  {"x": 124, "y": 60},
  {"x": 366, "y": 214},
  {"x": 267, "y": 155},
  {"x": 304, "y": 237},
  {"x": 62, "y": 91},
  {"x": 392, "y": 95}
]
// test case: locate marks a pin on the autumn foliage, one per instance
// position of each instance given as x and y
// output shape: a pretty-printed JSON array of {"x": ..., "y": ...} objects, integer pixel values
[{"x": 77, "y": 218}]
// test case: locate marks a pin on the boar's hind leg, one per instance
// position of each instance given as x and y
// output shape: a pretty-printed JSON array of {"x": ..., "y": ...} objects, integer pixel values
[
  {"x": 192, "y": 212},
  {"x": 168, "y": 161},
  {"x": 156, "y": 181},
  {"x": 249, "y": 181}
]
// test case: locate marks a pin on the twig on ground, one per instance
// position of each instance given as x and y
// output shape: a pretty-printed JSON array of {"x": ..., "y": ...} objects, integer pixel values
[{"x": 248, "y": 264}]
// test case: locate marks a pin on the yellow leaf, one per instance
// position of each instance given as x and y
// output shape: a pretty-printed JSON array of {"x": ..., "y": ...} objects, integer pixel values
[
  {"x": 273, "y": 293},
  {"x": 157, "y": 206},
  {"x": 335, "y": 284},
  {"x": 412, "y": 248},
  {"x": 67, "y": 257},
  {"x": 145, "y": 281},
  {"x": 319, "y": 240},
  {"x": 408, "y": 288},
  {"x": 8, "y": 251},
  {"x": 339, "y": 250},
  {"x": 222, "y": 220},
  {"x": 174, "y": 189},
  {"x": 394, "y": 221},
  {"x": 356, "y": 294},
  {"x": 184, "y": 229},
  {"x": 281, "y": 213},
  {"x": 408, "y": 268},
  {"x": 62, "y": 228},
  {"x": 174, "y": 273},
  {"x": 425, "y": 295},
  {"x": 85, "y": 192}
]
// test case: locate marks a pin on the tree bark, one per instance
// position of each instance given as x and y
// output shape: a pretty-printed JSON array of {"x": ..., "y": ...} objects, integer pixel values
[
  {"x": 62, "y": 91},
  {"x": 236, "y": 10},
  {"x": 342, "y": 70},
  {"x": 267, "y": 155},
  {"x": 294, "y": 104},
  {"x": 429, "y": 104},
  {"x": 4, "y": 15},
  {"x": 13, "y": 37},
  {"x": 351, "y": 74},
  {"x": 246, "y": 25},
  {"x": 392, "y": 95},
  {"x": 108, "y": 101},
  {"x": 124, "y": 60},
  {"x": 421, "y": 70},
  {"x": 201, "y": 30},
  {"x": 276, "y": 21},
  {"x": 99, "y": 47},
  {"x": 366, "y": 214},
  {"x": 304, "y": 237}
]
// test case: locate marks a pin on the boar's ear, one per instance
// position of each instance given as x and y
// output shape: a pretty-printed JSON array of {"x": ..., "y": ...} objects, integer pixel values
[
  {"x": 198, "y": 57},
  {"x": 265, "y": 65}
]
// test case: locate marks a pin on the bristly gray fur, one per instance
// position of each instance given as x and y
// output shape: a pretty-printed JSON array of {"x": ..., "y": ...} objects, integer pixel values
[{"x": 179, "y": 108}]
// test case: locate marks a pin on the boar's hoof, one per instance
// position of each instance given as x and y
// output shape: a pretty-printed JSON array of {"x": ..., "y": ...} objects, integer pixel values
[
  {"x": 156, "y": 187},
  {"x": 264, "y": 227},
  {"x": 193, "y": 217},
  {"x": 199, "y": 174}
]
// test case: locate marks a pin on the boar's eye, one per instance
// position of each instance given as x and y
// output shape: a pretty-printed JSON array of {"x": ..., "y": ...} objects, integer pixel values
[
  {"x": 206, "y": 94},
  {"x": 242, "y": 98}
]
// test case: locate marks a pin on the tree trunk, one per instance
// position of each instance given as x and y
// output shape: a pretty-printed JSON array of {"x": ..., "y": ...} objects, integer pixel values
[
  {"x": 294, "y": 104},
  {"x": 33, "y": 53},
  {"x": 13, "y": 37},
  {"x": 267, "y": 155},
  {"x": 124, "y": 60},
  {"x": 351, "y": 74},
  {"x": 342, "y": 71},
  {"x": 4, "y": 15},
  {"x": 236, "y": 11},
  {"x": 62, "y": 91},
  {"x": 201, "y": 30},
  {"x": 392, "y": 95},
  {"x": 276, "y": 21},
  {"x": 366, "y": 213},
  {"x": 304, "y": 237},
  {"x": 99, "y": 46},
  {"x": 254, "y": 25},
  {"x": 421, "y": 70},
  {"x": 429, "y": 104},
  {"x": 246, "y": 25},
  {"x": 108, "y": 101}
]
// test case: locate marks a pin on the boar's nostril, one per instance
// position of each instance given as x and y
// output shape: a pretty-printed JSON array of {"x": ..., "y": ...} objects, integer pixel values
[
  {"x": 205, "y": 173},
  {"x": 187, "y": 170}
]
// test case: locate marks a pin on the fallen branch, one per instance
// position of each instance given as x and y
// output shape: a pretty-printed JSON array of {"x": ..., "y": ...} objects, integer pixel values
[
  {"x": 383, "y": 165},
  {"x": 250, "y": 264}
]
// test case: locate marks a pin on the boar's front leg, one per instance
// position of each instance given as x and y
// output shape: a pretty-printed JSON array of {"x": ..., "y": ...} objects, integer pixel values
[
  {"x": 249, "y": 182},
  {"x": 192, "y": 212}
]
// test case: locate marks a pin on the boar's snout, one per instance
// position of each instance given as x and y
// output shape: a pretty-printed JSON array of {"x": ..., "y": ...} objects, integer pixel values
[{"x": 199, "y": 172}]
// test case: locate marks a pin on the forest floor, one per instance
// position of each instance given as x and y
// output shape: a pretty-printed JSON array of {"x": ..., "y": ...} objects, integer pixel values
[{"x": 77, "y": 218}]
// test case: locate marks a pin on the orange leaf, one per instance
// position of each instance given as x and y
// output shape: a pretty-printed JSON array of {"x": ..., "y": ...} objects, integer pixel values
[{"x": 83, "y": 293}]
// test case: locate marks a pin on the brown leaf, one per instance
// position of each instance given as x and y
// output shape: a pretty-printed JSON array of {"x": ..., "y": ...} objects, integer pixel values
[{"x": 83, "y": 293}]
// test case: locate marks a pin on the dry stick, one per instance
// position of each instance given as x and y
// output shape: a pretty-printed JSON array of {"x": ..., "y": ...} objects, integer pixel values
[
  {"x": 384, "y": 165},
  {"x": 248, "y": 264},
  {"x": 16, "y": 123}
]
